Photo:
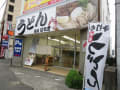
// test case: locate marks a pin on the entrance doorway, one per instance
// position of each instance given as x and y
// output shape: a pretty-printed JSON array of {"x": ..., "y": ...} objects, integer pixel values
[
  {"x": 66, "y": 49},
  {"x": 65, "y": 57},
  {"x": 63, "y": 48}
]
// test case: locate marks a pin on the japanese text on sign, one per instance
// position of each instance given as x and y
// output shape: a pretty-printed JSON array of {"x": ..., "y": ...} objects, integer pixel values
[
  {"x": 36, "y": 22},
  {"x": 18, "y": 47},
  {"x": 96, "y": 54}
]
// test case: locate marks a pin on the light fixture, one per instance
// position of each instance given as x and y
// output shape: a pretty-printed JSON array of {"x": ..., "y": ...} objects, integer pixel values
[
  {"x": 69, "y": 38},
  {"x": 56, "y": 40}
]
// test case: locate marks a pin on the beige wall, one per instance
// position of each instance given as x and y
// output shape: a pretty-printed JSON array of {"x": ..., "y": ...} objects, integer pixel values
[
  {"x": 27, "y": 43},
  {"x": 83, "y": 36},
  {"x": 17, "y": 10},
  {"x": 15, "y": 13}
]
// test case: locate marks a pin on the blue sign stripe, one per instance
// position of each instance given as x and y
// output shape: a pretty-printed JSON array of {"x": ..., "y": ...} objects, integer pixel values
[{"x": 18, "y": 47}]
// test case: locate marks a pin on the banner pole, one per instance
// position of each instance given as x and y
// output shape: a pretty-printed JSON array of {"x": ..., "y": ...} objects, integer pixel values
[
  {"x": 85, "y": 58},
  {"x": 84, "y": 76}
]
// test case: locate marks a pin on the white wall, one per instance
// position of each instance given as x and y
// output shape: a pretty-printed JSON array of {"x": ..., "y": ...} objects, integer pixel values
[
  {"x": 108, "y": 17},
  {"x": 104, "y": 12},
  {"x": 22, "y": 7},
  {"x": 118, "y": 42}
]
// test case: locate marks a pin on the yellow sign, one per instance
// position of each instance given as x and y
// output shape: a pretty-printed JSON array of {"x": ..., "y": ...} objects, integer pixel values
[
  {"x": 44, "y": 1},
  {"x": 29, "y": 4}
]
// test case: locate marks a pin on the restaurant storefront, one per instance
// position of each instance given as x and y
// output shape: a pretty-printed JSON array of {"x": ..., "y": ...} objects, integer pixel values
[{"x": 58, "y": 31}]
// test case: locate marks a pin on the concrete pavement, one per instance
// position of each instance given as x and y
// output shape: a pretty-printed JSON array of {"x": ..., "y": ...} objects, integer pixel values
[
  {"x": 8, "y": 80},
  {"x": 39, "y": 80}
]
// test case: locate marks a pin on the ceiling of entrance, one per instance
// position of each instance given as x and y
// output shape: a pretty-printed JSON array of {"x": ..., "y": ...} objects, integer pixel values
[
  {"x": 66, "y": 37},
  {"x": 58, "y": 34}
]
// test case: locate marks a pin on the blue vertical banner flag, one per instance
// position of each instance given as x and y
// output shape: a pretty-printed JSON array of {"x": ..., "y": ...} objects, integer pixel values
[
  {"x": 18, "y": 47},
  {"x": 96, "y": 54}
]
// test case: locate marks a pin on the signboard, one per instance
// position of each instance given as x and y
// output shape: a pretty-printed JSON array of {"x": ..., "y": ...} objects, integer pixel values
[
  {"x": 7, "y": 26},
  {"x": 18, "y": 47},
  {"x": 71, "y": 14},
  {"x": 31, "y": 5},
  {"x": 5, "y": 43},
  {"x": 30, "y": 59},
  {"x": 36, "y": 22},
  {"x": 11, "y": 33},
  {"x": 96, "y": 54}
]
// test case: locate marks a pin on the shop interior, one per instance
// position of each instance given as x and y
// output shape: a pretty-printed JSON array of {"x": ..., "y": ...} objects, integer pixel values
[{"x": 59, "y": 51}]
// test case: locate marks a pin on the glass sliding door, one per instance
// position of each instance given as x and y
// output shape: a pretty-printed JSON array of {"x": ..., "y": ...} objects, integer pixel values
[{"x": 65, "y": 51}]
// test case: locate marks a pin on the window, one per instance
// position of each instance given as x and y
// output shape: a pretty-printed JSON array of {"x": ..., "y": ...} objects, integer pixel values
[
  {"x": 11, "y": 8},
  {"x": 10, "y": 17},
  {"x": 12, "y": 1}
]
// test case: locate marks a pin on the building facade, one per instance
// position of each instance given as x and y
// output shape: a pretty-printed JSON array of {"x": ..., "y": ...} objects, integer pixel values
[
  {"x": 58, "y": 28},
  {"x": 11, "y": 12}
]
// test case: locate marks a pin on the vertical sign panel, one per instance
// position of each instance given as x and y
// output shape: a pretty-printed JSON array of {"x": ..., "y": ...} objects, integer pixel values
[
  {"x": 18, "y": 47},
  {"x": 96, "y": 54}
]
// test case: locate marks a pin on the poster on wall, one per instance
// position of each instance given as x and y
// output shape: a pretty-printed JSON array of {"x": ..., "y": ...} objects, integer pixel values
[
  {"x": 18, "y": 47},
  {"x": 76, "y": 13},
  {"x": 70, "y": 14},
  {"x": 96, "y": 54},
  {"x": 31, "y": 5},
  {"x": 32, "y": 52},
  {"x": 30, "y": 59},
  {"x": 33, "y": 47}
]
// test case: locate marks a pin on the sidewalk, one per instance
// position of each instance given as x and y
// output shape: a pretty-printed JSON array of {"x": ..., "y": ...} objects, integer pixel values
[
  {"x": 8, "y": 81},
  {"x": 40, "y": 80}
]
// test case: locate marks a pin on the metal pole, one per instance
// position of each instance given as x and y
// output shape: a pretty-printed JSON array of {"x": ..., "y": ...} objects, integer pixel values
[
  {"x": 99, "y": 10},
  {"x": 116, "y": 44},
  {"x": 47, "y": 39},
  {"x": 61, "y": 56},
  {"x": 22, "y": 52},
  {"x": 60, "y": 48},
  {"x": 11, "y": 63},
  {"x": 54, "y": 56},
  {"x": 12, "y": 55},
  {"x": 74, "y": 52}
]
